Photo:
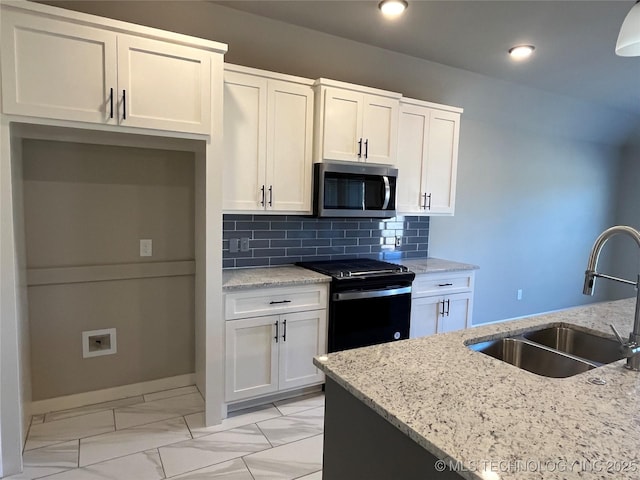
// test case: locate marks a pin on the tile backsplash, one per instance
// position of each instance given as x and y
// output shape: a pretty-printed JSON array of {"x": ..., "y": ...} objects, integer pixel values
[{"x": 282, "y": 239}]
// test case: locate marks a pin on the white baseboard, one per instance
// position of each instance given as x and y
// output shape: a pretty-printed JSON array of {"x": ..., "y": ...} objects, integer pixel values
[
  {"x": 524, "y": 316},
  {"x": 108, "y": 394}
]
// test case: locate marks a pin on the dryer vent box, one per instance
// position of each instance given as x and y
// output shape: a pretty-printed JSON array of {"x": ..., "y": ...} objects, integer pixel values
[{"x": 99, "y": 342}]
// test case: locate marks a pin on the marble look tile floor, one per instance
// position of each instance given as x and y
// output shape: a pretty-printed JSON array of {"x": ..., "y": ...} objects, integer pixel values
[{"x": 162, "y": 435}]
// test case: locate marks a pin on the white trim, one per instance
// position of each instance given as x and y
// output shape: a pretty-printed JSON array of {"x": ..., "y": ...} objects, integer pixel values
[
  {"x": 116, "y": 25},
  {"x": 115, "y": 393},
  {"x": 231, "y": 67},
  {"x": 325, "y": 82},
  {"x": 525, "y": 316},
  {"x": 431, "y": 105}
]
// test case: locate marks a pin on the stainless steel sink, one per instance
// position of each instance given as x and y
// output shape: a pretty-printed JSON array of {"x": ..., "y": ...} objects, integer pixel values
[
  {"x": 533, "y": 358},
  {"x": 578, "y": 343},
  {"x": 558, "y": 352}
]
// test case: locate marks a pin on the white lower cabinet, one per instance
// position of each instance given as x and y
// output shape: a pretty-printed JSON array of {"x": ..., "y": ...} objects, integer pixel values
[
  {"x": 273, "y": 353},
  {"x": 441, "y": 303}
]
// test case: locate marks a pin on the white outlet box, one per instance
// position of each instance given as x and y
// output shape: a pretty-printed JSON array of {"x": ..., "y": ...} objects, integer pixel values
[
  {"x": 146, "y": 247},
  {"x": 99, "y": 342}
]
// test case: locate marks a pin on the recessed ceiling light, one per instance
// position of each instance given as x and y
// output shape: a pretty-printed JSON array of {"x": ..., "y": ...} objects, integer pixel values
[
  {"x": 392, "y": 8},
  {"x": 520, "y": 52}
]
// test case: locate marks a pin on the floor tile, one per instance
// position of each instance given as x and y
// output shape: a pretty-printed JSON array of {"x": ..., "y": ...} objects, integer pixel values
[
  {"x": 174, "y": 392},
  {"x": 313, "y": 476},
  {"x": 49, "y": 433},
  {"x": 293, "y": 427},
  {"x": 141, "y": 466},
  {"x": 212, "y": 449},
  {"x": 96, "y": 407},
  {"x": 132, "y": 440},
  {"x": 299, "y": 404},
  {"x": 52, "y": 459},
  {"x": 235, "y": 419},
  {"x": 155, "y": 411},
  {"x": 231, "y": 470},
  {"x": 288, "y": 461}
]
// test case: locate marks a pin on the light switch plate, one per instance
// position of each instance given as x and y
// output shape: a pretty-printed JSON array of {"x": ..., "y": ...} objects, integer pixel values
[
  {"x": 244, "y": 244},
  {"x": 146, "y": 247},
  {"x": 234, "y": 245}
]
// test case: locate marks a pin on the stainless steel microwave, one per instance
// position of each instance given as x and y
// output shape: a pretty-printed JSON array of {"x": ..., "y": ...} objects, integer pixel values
[{"x": 350, "y": 189}]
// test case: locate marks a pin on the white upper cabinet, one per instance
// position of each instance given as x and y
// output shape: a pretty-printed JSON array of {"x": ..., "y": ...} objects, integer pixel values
[
  {"x": 355, "y": 123},
  {"x": 163, "y": 86},
  {"x": 56, "y": 69},
  {"x": 427, "y": 158},
  {"x": 267, "y": 141},
  {"x": 66, "y": 69}
]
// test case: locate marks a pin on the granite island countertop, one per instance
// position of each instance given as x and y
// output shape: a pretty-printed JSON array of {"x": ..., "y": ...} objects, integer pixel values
[
  {"x": 434, "y": 265},
  {"x": 494, "y": 419}
]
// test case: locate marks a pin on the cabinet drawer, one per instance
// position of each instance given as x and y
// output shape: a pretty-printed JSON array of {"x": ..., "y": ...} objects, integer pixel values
[
  {"x": 442, "y": 283},
  {"x": 270, "y": 301}
]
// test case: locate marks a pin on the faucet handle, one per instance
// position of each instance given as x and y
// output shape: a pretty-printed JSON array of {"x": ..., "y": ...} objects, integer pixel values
[{"x": 617, "y": 334}]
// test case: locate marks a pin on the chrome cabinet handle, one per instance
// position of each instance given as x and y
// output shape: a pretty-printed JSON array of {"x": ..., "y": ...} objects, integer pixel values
[
  {"x": 387, "y": 192},
  {"x": 271, "y": 195},
  {"x": 277, "y": 334},
  {"x": 124, "y": 104},
  {"x": 262, "y": 190},
  {"x": 284, "y": 335}
]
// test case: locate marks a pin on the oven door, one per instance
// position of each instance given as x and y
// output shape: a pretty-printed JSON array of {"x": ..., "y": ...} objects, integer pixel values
[{"x": 367, "y": 317}]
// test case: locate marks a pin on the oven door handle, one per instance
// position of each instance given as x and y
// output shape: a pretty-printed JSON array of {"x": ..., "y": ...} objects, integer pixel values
[
  {"x": 387, "y": 192},
  {"x": 384, "y": 292}
]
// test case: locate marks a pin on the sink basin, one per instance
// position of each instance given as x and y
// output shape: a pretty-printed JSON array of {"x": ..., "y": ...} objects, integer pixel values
[
  {"x": 533, "y": 358},
  {"x": 578, "y": 343}
]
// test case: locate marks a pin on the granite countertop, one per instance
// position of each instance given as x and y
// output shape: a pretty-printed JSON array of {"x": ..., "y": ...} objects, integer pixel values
[
  {"x": 434, "y": 265},
  {"x": 270, "y": 277},
  {"x": 498, "y": 421}
]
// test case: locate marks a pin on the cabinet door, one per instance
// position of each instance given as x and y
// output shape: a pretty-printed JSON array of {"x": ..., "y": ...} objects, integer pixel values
[
  {"x": 55, "y": 69},
  {"x": 289, "y": 142},
  {"x": 168, "y": 87},
  {"x": 244, "y": 141},
  {"x": 457, "y": 310},
  {"x": 425, "y": 312},
  {"x": 342, "y": 125},
  {"x": 303, "y": 336},
  {"x": 413, "y": 129},
  {"x": 380, "y": 129},
  {"x": 442, "y": 161},
  {"x": 251, "y": 357}
]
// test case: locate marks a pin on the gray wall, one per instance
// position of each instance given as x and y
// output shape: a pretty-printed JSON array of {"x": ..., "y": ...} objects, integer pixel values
[
  {"x": 537, "y": 171},
  {"x": 626, "y": 255},
  {"x": 87, "y": 206}
]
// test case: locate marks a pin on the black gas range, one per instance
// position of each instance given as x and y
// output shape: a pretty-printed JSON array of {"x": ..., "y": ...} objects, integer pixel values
[{"x": 370, "y": 301}]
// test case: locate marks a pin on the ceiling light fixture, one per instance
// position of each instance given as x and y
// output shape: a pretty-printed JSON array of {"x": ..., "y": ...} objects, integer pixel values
[
  {"x": 520, "y": 52},
  {"x": 628, "y": 44},
  {"x": 392, "y": 8}
]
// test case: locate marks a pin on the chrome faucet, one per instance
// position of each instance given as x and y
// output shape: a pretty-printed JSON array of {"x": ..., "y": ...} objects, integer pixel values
[{"x": 631, "y": 348}]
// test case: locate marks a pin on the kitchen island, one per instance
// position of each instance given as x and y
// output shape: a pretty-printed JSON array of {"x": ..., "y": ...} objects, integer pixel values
[{"x": 396, "y": 410}]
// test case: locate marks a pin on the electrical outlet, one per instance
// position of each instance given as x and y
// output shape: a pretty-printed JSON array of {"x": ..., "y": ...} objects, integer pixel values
[
  {"x": 244, "y": 244},
  {"x": 519, "y": 294},
  {"x": 234, "y": 245},
  {"x": 398, "y": 241},
  {"x": 146, "y": 247}
]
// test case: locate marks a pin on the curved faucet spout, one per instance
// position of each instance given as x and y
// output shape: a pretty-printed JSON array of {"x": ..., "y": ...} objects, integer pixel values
[{"x": 632, "y": 347}]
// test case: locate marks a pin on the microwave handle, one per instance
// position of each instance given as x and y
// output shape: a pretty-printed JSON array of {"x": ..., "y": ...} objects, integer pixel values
[{"x": 387, "y": 192}]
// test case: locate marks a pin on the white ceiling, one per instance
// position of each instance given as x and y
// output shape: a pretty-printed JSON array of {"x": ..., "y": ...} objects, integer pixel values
[{"x": 574, "y": 40}]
